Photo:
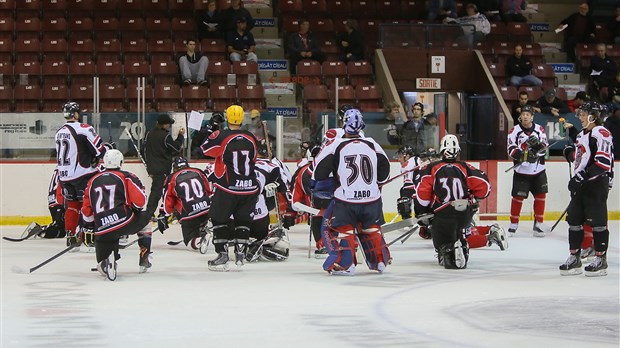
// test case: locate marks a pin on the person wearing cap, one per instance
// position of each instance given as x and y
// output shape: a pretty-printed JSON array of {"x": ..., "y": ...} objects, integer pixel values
[
  {"x": 256, "y": 126},
  {"x": 551, "y": 105},
  {"x": 236, "y": 188},
  {"x": 576, "y": 102},
  {"x": 235, "y": 12},
  {"x": 240, "y": 43},
  {"x": 78, "y": 150},
  {"x": 159, "y": 149}
]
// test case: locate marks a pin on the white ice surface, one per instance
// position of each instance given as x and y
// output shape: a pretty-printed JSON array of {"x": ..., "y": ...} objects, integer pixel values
[{"x": 514, "y": 298}]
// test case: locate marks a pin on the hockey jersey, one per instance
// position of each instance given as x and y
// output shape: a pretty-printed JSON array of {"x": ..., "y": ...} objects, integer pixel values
[
  {"x": 187, "y": 191},
  {"x": 77, "y": 145},
  {"x": 266, "y": 172},
  {"x": 517, "y": 140},
  {"x": 593, "y": 151},
  {"x": 359, "y": 165},
  {"x": 110, "y": 199},
  {"x": 54, "y": 192}
]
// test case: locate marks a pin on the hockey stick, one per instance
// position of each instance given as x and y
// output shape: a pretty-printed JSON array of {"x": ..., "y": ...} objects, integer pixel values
[
  {"x": 559, "y": 219},
  {"x": 403, "y": 224},
  {"x": 267, "y": 142},
  {"x": 405, "y": 235},
  {"x": 32, "y": 229},
  {"x": 306, "y": 209},
  {"x": 539, "y": 153},
  {"x": 128, "y": 244},
  {"x": 18, "y": 269},
  {"x": 405, "y": 172},
  {"x": 135, "y": 147}
]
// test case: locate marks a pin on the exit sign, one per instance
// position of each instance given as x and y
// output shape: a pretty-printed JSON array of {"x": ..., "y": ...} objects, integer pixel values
[{"x": 424, "y": 83}]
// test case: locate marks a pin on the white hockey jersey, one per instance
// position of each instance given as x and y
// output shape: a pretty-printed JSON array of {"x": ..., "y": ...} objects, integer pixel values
[
  {"x": 593, "y": 148},
  {"x": 77, "y": 145},
  {"x": 517, "y": 140},
  {"x": 359, "y": 164},
  {"x": 408, "y": 167}
]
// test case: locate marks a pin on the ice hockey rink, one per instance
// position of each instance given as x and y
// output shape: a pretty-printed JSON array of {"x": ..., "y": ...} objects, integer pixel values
[{"x": 512, "y": 298}]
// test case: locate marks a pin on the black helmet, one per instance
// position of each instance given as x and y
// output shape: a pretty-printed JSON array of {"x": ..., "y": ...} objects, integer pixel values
[
  {"x": 406, "y": 150},
  {"x": 217, "y": 119},
  {"x": 343, "y": 109},
  {"x": 527, "y": 108},
  {"x": 262, "y": 148},
  {"x": 70, "y": 108},
  {"x": 179, "y": 162},
  {"x": 314, "y": 151}
]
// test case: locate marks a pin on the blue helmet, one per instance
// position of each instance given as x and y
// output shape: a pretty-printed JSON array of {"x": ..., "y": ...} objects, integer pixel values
[
  {"x": 179, "y": 162},
  {"x": 353, "y": 121}
]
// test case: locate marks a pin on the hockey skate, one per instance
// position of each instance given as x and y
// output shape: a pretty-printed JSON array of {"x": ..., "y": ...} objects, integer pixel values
[
  {"x": 538, "y": 229},
  {"x": 220, "y": 263},
  {"x": 587, "y": 254},
  {"x": 460, "y": 257},
  {"x": 321, "y": 253},
  {"x": 512, "y": 230},
  {"x": 497, "y": 236},
  {"x": 598, "y": 267},
  {"x": 145, "y": 259},
  {"x": 240, "y": 255},
  {"x": 339, "y": 271},
  {"x": 123, "y": 240},
  {"x": 572, "y": 266},
  {"x": 107, "y": 268}
]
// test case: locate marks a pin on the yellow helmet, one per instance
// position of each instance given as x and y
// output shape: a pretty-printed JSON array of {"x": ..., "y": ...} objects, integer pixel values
[{"x": 235, "y": 114}]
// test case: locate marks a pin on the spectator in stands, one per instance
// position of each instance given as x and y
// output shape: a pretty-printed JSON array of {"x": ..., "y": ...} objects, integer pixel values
[
  {"x": 256, "y": 126},
  {"x": 576, "y": 102},
  {"x": 301, "y": 45},
  {"x": 522, "y": 101},
  {"x": 210, "y": 22},
  {"x": 551, "y": 105},
  {"x": 578, "y": 28},
  {"x": 614, "y": 93},
  {"x": 392, "y": 111},
  {"x": 613, "y": 26},
  {"x": 603, "y": 73},
  {"x": 438, "y": 10},
  {"x": 240, "y": 43},
  {"x": 613, "y": 121},
  {"x": 193, "y": 65},
  {"x": 412, "y": 132},
  {"x": 231, "y": 16},
  {"x": 481, "y": 24},
  {"x": 351, "y": 42},
  {"x": 511, "y": 10},
  {"x": 489, "y": 8},
  {"x": 431, "y": 131},
  {"x": 519, "y": 68}
]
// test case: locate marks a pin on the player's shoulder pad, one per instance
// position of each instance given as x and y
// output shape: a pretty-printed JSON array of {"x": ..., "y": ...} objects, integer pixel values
[
  {"x": 214, "y": 134},
  {"x": 331, "y": 134},
  {"x": 85, "y": 125},
  {"x": 602, "y": 131}
]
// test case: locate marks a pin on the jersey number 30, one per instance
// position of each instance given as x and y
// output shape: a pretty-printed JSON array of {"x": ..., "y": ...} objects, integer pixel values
[{"x": 362, "y": 166}]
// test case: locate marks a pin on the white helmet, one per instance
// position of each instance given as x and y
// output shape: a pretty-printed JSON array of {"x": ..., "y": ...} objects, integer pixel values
[
  {"x": 450, "y": 147},
  {"x": 113, "y": 159}
]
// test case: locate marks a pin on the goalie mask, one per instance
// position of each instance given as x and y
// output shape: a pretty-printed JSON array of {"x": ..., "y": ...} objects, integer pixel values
[
  {"x": 113, "y": 159},
  {"x": 450, "y": 147},
  {"x": 354, "y": 122},
  {"x": 277, "y": 251}
]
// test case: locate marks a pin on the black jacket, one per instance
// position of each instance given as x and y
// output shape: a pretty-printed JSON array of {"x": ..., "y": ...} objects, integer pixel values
[
  {"x": 521, "y": 66},
  {"x": 159, "y": 149}
]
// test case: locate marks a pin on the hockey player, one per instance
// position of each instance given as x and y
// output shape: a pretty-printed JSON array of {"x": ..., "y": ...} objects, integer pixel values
[
  {"x": 359, "y": 165},
  {"x": 592, "y": 160},
  {"x": 113, "y": 203},
  {"x": 527, "y": 144},
  {"x": 446, "y": 189},
  {"x": 186, "y": 192},
  {"x": 78, "y": 149},
  {"x": 236, "y": 187},
  {"x": 55, "y": 204}
]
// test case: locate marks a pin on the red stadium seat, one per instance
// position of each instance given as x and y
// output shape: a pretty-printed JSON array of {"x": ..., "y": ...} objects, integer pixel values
[
  {"x": 6, "y": 72},
  {"x": 369, "y": 98},
  {"x": 108, "y": 49},
  {"x": 83, "y": 95},
  {"x": 339, "y": 8},
  {"x": 294, "y": 7},
  {"x": 55, "y": 72},
  {"x": 132, "y": 27},
  {"x": 316, "y": 98},
  {"x": 180, "y": 7},
  {"x": 161, "y": 48},
  {"x": 195, "y": 97},
  {"x": 314, "y": 8},
  {"x": 134, "y": 49},
  {"x": 27, "y": 98},
  {"x": 105, "y": 27},
  {"x": 217, "y": 72},
  {"x": 332, "y": 70},
  {"x": 509, "y": 94},
  {"x": 54, "y": 27},
  {"x": 183, "y": 28},
  {"x": 158, "y": 28},
  {"x": 251, "y": 97},
  {"x": 6, "y": 98},
  {"x": 498, "y": 72},
  {"x": 81, "y": 49},
  {"x": 27, "y": 49},
  {"x": 310, "y": 69},
  {"x": 364, "y": 8},
  {"x": 360, "y": 72},
  {"x": 164, "y": 70},
  {"x": 243, "y": 70},
  {"x": 112, "y": 98},
  {"x": 110, "y": 71},
  {"x": 222, "y": 96},
  {"x": 499, "y": 32},
  {"x": 29, "y": 71},
  {"x": 346, "y": 95},
  {"x": 519, "y": 32},
  {"x": 389, "y": 9},
  {"x": 80, "y": 8},
  {"x": 54, "y": 97},
  {"x": 81, "y": 72},
  {"x": 215, "y": 49},
  {"x": 132, "y": 97},
  {"x": 80, "y": 28},
  {"x": 533, "y": 93},
  {"x": 167, "y": 97},
  {"x": 546, "y": 74},
  {"x": 54, "y": 48},
  {"x": 134, "y": 69}
]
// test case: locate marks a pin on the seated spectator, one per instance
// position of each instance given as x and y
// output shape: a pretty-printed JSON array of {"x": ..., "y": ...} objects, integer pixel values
[
  {"x": 438, "y": 10},
  {"x": 193, "y": 65},
  {"x": 210, "y": 22},
  {"x": 412, "y": 131},
  {"x": 576, "y": 102},
  {"x": 603, "y": 73},
  {"x": 481, "y": 24},
  {"x": 551, "y": 105},
  {"x": 578, "y": 28},
  {"x": 519, "y": 68},
  {"x": 516, "y": 106},
  {"x": 240, "y": 43},
  {"x": 613, "y": 26},
  {"x": 489, "y": 8},
  {"x": 301, "y": 45},
  {"x": 351, "y": 42},
  {"x": 511, "y": 10},
  {"x": 231, "y": 15}
]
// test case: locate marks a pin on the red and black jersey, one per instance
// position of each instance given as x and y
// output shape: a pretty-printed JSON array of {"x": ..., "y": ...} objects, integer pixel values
[
  {"x": 110, "y": 199},
  {"x": 235, "y": 153},
  {"x": 187, "y": 191},
  {"x": 446, "y": 181},
  {"x": 54, "y": 194},
  {"x": 301, "y": 187}
]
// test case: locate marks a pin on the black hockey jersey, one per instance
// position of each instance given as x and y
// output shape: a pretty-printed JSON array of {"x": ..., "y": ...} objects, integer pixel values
[{"x": 187, "y": 191}]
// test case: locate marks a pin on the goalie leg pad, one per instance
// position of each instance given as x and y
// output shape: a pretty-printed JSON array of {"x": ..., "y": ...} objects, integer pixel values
[
  {"x": 341, "y": 248},
  {"x": 375, "y": 249}
]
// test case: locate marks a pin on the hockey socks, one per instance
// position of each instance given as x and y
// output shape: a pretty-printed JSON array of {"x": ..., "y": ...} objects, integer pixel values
[
  {"x": 539, "y": 207},
  {"x": 515, "y": 209}
]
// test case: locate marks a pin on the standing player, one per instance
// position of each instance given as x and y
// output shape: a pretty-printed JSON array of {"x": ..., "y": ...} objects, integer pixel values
[
  {"x": 447, "y": 188},
  {"x": 113, "y": 203},
  {"x": 187, "y": 192},
  {"x": 592, "y": 159},
  {"x": 236, "y": 187},
  {"x": 78, "y": 149},
  {"x": 527, "y": 144},
  {"x": 359, "y": 166},
  {"x": 408, "y": 162}
]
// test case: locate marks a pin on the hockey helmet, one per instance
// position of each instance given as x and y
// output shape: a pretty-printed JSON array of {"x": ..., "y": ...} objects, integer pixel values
[
  {"x": 450, "y": 147},
  {"x": 278, "y": 251},
  {"x": 527, "y": 108},
  {"x": 354, "y": 122},
  {"x": 235, "y": 114},
  {"x": 113, "y": 159},
  {"x": 343, "y": 110},
  {"x": 313, "y": 151},
  {"x": 262, "y": 148},
  {"x": 179, "y": 162},
  {"x": 70, "y": 108},
  {"x": 406, "y": 150},
  {"x": 216, "y": 120}
]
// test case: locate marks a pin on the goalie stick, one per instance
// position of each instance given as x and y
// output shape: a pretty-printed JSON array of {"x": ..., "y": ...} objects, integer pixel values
[
  {"x": 18, "y": 269},
  {"x": 410, "y": 222},
  {"x": 403, "y": 237},
  {"x": 32, "y": 229}
]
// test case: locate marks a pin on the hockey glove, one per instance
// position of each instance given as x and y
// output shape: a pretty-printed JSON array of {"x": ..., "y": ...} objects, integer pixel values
[
  {"x": 425, "y": 220},
  {"x": 569, "y": 153},
  {"x": 271, "y": 189},
  {"x": 74, "y": 239},
  {"x": 577, "y": 181},
  {"x": 518, "y": 155},
  {"x": 162, "y": 222},
  {"x": 288, "y": 219}
]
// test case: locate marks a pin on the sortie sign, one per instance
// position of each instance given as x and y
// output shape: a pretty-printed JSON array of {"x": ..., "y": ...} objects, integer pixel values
[{"x": 424, "y": 83}]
